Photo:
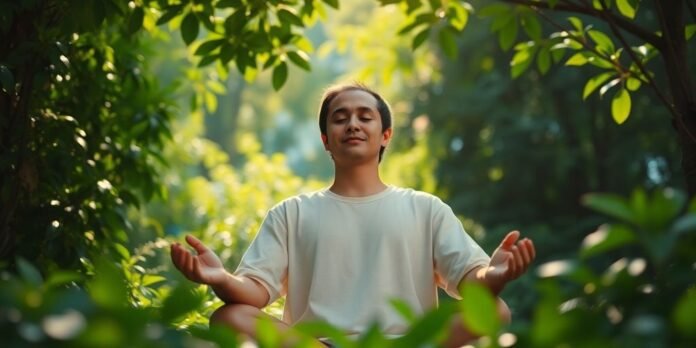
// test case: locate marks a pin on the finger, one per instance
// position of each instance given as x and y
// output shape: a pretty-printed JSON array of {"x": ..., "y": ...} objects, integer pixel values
[
  {"x": 510, "y": 239},
  {"x": 517, "y": 258},
  {"x": 196, "y": 244},
  {"x": 532, "y": 249},
  {"x": 526, "y": 252},
  {"x": 196, "y": 269}
]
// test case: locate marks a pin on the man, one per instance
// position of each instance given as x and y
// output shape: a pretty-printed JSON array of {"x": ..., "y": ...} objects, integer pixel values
[{"x": 340, "y": 254}]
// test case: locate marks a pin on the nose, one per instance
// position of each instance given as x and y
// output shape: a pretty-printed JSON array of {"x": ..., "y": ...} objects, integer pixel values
[{"x": 353, "y": 122}]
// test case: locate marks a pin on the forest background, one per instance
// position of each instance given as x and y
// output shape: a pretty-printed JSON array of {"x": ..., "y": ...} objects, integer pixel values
[{"x": 126, "y": 125}]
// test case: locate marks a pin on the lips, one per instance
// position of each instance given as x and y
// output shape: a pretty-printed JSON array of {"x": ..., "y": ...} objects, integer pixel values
[{"x": 352, "y": 139}]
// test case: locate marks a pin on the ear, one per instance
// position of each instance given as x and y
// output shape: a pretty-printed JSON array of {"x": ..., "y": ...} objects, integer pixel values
[
  {"x": 325, "y": 141},
  {"x": 386, "y": 136}
]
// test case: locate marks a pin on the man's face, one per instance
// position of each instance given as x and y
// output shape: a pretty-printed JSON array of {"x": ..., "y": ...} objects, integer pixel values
[{"x": 354, "y": 128}]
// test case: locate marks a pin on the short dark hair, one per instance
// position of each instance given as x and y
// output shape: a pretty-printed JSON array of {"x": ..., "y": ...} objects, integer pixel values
[{"x": 333, "y": 91}]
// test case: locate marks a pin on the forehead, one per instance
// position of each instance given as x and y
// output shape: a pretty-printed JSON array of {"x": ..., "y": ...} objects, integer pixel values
[{"x": 353, "y": 98}]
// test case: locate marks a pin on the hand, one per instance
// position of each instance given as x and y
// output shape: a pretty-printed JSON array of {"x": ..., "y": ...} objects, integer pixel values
[
  {"x": 205, "y": 267},
  {"x": 510, "y": 260}
]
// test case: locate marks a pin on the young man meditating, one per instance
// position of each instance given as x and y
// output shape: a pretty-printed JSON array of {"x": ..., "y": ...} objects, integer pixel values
[{"x": 340, "y": 254}]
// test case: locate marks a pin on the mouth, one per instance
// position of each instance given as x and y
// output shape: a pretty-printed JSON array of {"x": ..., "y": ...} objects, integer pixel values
[{"x": 353, "y": 140}]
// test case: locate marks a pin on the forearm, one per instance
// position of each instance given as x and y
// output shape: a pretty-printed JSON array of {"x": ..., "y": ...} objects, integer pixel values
[
  {"x": 478, "y": 275},
  {"x": 241, "y": 290}
]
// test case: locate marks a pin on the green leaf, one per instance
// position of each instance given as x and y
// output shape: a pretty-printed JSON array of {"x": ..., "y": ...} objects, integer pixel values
[
  {"x": 403, "y": 308},
  {"x": 494, "y": 10},
  {"x": 208, "y": 46},
  {"x": 288, "y": 17},
  {"x": 684, "y": 314},
  {"x": 189, "y": 28},
  {"x": 595, "y": 82},
  {"x": 478, "y": 309},
  {"x": 689, "y": 31},
  {"x": 108, "y": 286},
  {"x": 576, "y": 22},
  {"x": 460, "y": 16},
  {"x": 621, "y": 106},
  {"x": 207, "y": 60},
  {"x": 633, "y": 84},
  {"x": 606, "y": 238},
  {"x": 604, "y": 43},
  {"x": 611, "y": 205},
  {"x": 532, "y": 27},
  {"x": 626, "y": 8},
  {"x": 608, "y": 86},
  {"x": 280, "y": 75},
  {"x": 170, "y": 12},
  {"x": 61, "y": 278},
  {"x": 448, "y": 42},
  {"x": 544, "y": 59},
  {"x": 183, "y": 299},
  {"x": 135, "y": 21},
  {"x": 6, "y": 80},
  {"x": 28, "y": 272},
  {"x": 420, "y": 38},
  {"x": 428, "y": 327},
  {"x": 577, "y": 59},
  {"x": 332, "y": 3},
  {"x": 300, "y": 59},
  {"x": 521, "y": 60},
  {"x": 508, "y": 34}
]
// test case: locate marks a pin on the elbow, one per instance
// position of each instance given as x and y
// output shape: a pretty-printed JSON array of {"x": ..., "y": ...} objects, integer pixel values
[{"x": 504, "y": 313}]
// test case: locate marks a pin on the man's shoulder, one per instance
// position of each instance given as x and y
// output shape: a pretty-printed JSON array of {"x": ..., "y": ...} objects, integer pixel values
[
  {"x": 300, "y": 199},
  {"x": 418, "y": 196}
]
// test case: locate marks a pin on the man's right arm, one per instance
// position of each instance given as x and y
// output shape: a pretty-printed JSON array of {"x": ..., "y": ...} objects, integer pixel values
[
  {"x": 206, "y": 268},
  {"x": 241, "y": 289}
]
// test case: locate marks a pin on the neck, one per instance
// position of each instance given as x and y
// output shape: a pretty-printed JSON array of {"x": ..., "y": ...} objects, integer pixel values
[{"x": 357, "y": 181}]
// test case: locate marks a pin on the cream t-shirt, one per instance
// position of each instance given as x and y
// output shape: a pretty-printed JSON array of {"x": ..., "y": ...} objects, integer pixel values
[{"x": 341, "y": 259}]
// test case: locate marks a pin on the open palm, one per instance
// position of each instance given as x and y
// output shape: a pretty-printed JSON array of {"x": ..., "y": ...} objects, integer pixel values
[
  {"x": 205, "y": 267},
  {"x": 511, "y": 259}
]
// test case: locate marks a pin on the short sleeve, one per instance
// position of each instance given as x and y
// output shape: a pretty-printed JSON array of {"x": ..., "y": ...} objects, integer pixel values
[
  {"x": 266, "y": 259},
  {"x": 455, "y": 252}
]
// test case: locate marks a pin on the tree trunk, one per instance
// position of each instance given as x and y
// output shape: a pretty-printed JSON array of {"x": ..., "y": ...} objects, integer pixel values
[{"x": 675, "y": 55}]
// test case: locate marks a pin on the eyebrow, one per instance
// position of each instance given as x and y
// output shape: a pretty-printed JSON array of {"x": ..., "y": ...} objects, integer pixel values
[{"x": 361, "y": 109}]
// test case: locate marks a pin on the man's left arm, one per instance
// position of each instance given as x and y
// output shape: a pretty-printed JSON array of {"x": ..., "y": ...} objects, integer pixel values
[{"x": 509, "y": 261}]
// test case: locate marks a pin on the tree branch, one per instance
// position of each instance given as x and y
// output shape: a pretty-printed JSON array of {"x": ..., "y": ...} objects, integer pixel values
[
  {"x": 624, "y": 24},
  {"x": 641, "y": 67}
]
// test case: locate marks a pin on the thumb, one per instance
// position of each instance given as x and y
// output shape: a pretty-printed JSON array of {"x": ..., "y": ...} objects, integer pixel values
[
  {"x": 196, "y": 244},
  {"x": 510, "y": 239}
]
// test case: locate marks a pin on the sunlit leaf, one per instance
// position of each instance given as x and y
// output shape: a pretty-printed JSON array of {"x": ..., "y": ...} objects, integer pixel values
[
  {"x": 607, "y": 237},
  {"x": 608, "y": 86},
  {"x": 621, "y": 106},
  {"x": 208, "y": 46},
  {"x": 286, "y": 16},
  {"x": 604, "y": 43},
  {"x": 332, "y": 3},
  {"x": 595, "y": 82},
  {"x": 577, "y": 59},
  {"x": 576, "y": 22},
  {"x": 610, "y": 204},
  {"x": 461, "y": 16},
  {"x": 626, "y": 8},
  {"x": 689, "y": 31},
  {"x": 280, "y": 75},
  {"x": 633, "y": 84},
  {"x": 300, "y": 59},
  {"x": 169, "y": 13},
  {"x": 479, "y": 310},
  {"x": 183, "y": 299}
]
